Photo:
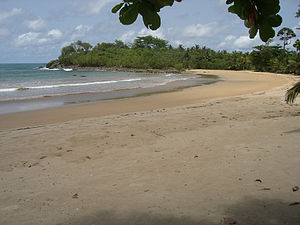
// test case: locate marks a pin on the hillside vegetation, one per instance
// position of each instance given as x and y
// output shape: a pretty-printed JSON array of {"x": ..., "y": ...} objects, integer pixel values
[{"x": 153, "y": 53}]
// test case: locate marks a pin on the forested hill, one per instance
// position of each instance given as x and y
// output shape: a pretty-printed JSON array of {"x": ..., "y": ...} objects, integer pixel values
[{"x": 154, "y": 53}]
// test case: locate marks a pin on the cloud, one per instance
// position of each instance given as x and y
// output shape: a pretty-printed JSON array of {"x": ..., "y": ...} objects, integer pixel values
[
  {"x": 227, "y": 41},
  {"x": 80, "y": 31},
  {"x": 55, "y": 33},
  {"x": 3, "y": 32},
  {"x": 94, "y": 7},
  {"x": 27, "y": 39},
  {"x": 244, "y": 42},
  {"x": 36, "y": 24},
  {"x": 232, "y": 42},
  {"x": 6, "y": 15},
  {"x": 128, "y": 36},
  {"x": 38, "y": 39},
  {"x": 155, "y": 33},
  {"x": 199, "y": 30}
]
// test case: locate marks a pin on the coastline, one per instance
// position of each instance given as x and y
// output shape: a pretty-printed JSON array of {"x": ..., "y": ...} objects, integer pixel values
[
  {"x": 235, "y": 83},
  {"x": 60, "y": 100},
  {"x": 215, "y": 154}
]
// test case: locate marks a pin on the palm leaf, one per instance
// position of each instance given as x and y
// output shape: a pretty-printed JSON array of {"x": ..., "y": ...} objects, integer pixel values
[{"x": 292, "y": 93}]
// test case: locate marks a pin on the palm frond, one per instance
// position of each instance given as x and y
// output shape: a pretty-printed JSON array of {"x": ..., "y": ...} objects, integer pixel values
[{"x": 292, "y": 93}]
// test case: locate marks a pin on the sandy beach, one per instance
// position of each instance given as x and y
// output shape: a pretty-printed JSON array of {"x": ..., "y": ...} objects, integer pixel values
[{"x": 224, "y": 153}]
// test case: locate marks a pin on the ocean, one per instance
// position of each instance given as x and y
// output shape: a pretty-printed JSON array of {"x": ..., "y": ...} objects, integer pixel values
[{"x": 25, "y": 87}]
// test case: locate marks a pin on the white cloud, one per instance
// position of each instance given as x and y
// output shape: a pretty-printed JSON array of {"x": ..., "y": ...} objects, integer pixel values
[
  {"x": 36, "y": 24},
  {"x": 43, "y": 41},
  {"x": 177, "y": 42},
  {"x": 155, "y": 33},
  {"x": 80, "y": 31},
  {"x": 37, "y": 38},
  {"x": 94, "y": 7},
  {"x": 27, "y": 39},
  {"x": 6, "y": 15},
  {"x": 83, "y": 28},
  {"x": 199, "y": 30},
  {"x": 227, "y": 41},
  {"x": 3, "y": 32},
  {"x": 55, "y": 33},
  {"x": 128, "y": 36},
  {"x": 243, "y": 42},
  {"x": 131, "y": 35},
  {"x": 230, "y": 37}
]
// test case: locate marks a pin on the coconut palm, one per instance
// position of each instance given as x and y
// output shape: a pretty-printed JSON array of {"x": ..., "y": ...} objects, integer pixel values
[{"x": 292, "y": 93}]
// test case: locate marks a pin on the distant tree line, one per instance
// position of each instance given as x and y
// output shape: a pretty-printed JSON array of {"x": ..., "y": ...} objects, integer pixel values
[{"x": 154, "y": 53}]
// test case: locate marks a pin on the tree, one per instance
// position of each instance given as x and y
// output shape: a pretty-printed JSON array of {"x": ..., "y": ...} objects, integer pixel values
[
  {"x": 298, "y": 16},
  {"x": 68, "y": 50},
  {"x": 285, "y": 34},
  {"x": 149, "y": 42},
  {"x": 258, "y": 15},
  {"x": 81, "y": 46},
  {"x": 292, "y": 93},
  {"x": 269, "y": 58},
  {"x": 297, "y": 45},
  {"x": 120, "y": 44}
]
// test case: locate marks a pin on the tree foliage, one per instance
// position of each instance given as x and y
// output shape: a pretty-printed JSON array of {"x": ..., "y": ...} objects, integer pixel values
[
  {"x": 149, "y": 42},
  {"x": 258, "y": 15},
  {"x": 285, "y": 34},
  {"x": 298, "y": 13},
  {"x": 292, "y": 93},
  {"x": 153, "y": 53},
  {"x": 297, "y": 45}
]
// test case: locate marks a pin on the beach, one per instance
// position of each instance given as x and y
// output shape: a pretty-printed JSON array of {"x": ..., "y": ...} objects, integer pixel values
[{"x": 223, "y": 153}]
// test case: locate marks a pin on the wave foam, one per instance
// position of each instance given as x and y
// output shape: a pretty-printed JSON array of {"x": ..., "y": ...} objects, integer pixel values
[
  {"x": 69, "y": 85},
  {"x": 45, "y": 68}
]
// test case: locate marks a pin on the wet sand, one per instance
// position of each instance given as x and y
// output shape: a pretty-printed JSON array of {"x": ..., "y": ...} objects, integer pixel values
[{"x": 216, "y": 154}]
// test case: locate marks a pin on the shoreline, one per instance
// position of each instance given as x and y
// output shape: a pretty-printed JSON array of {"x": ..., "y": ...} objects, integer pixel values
[
  {"x": 216, "y": 154},
  {"x": 61, "y": 100},
  {"x": 239, "y": 83}
]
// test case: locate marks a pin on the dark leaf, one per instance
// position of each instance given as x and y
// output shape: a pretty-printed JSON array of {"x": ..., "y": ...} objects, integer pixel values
[
  {"x": 117, "y": 8},
  {"x": 128, "y": 14}
]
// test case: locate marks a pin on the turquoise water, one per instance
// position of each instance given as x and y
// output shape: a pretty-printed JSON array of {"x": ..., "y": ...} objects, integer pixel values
[{"x": 27, "y": 81}]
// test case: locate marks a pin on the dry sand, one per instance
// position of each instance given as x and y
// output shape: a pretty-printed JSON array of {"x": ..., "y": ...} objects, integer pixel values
[{"x": 218, "y": 154}]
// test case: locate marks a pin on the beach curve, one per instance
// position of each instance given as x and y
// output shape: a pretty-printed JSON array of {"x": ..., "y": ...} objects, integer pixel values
[
  {"x": 234, "y": 83},
  {"x": 222, "y": 152}
]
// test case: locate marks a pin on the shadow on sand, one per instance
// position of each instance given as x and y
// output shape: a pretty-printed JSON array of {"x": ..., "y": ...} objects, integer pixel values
[{"x": 250, "y": 211}]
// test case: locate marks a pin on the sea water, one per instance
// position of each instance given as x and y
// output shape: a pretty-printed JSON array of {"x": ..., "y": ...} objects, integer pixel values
[
  {"x": 24, "y": 81},
  {"x": 26, "y": 87}
]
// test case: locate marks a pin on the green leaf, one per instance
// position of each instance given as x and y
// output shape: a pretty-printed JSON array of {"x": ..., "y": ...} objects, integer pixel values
[
  {"x": 292, "y": 93},
  {"x": 266, "y": 32},
  {"x": 158, "y": 4},
  {"x": 155, "y": 22},
  {"x": 117, "y": 8},
  {"x": 275, "y": 20},
  {"x": 152, "y": 20},
  {"x": 128, "y": 14},
  {"x": 150, "y": 17},
  {"x": 228, "y": 2},
  {"x": 247, "y": 23},
  {"x": 231, "y": 9},
  {"x": 268, "y": 7},
  {"x": 253, "y": 32}
]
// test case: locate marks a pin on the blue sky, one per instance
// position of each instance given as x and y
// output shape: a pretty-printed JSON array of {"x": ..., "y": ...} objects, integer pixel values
[{"x": 36, "y": 30}]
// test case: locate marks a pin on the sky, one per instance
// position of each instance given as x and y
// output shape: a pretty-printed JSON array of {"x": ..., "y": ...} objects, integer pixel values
[{"x": 36, "y": 30}]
